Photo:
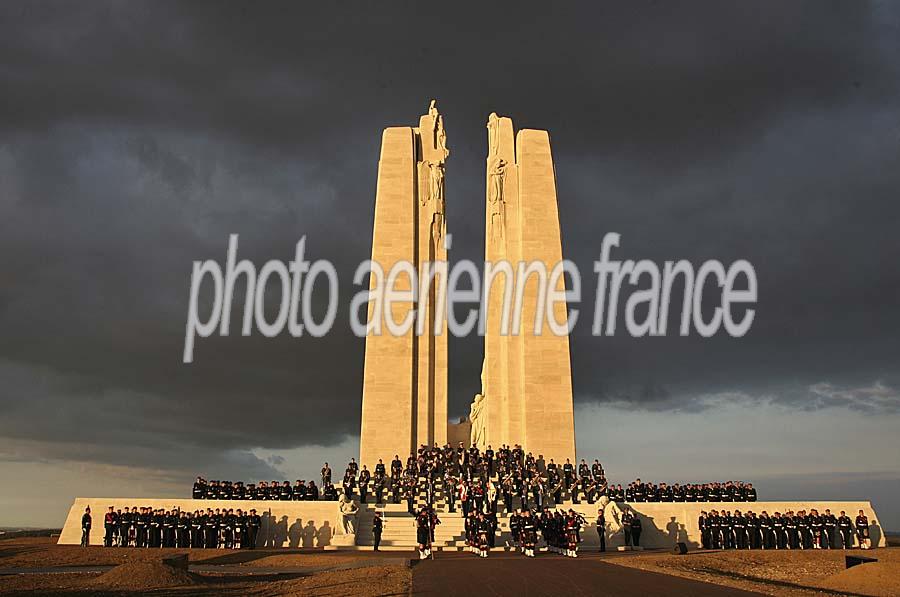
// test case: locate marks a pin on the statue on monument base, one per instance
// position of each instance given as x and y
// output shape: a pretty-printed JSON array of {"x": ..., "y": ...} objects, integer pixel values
[
  {"x": 612, "y": 514},
  {"x": 477, "y": 417}
]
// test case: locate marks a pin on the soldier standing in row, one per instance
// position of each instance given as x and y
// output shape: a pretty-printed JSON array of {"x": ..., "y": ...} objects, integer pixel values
[
  {"x": 109, "y": 526},
  {"x": 377, "y": 527},
  {"x": 254, "y": 521},
  {"x": 845, "y": 528},
  {"x": 364, "y": 478},
  {"x": 862, "y": 531},
  {"x": 86, "y": 527}
]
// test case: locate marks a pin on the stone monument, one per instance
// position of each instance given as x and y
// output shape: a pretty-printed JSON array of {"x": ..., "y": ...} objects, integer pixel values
[
  {"x": 404, "y": 401},
  {"x": 526, "y": 393},
  {"x": 526, "y": 384}
]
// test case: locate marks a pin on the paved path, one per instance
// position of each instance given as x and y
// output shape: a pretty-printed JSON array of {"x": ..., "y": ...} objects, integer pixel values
[{"x": 512, "y": 574}]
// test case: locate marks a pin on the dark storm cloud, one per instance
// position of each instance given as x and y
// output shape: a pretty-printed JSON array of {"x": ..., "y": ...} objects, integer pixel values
[{"x": 135, "y": 137}]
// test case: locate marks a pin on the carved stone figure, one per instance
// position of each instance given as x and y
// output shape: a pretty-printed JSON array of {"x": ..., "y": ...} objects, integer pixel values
[
  {"x": 436, "y": 172},
  {"x": 438, "y": 134},
  {"x": 493, "y": 126},
  {"x": 435, "y": 115},
  {"x": 495, "y": 176},
  {"x": 612, "y": 513},
  {"x": 477, "y": 418},
  {"x": 349, "y": 510}
]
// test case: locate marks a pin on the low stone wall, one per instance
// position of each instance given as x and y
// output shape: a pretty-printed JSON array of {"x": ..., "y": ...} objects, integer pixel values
[
  {"x": 284, "y": 524},
  {"x": 319, "y": 524},
  {"x": 664, "y": 524}
]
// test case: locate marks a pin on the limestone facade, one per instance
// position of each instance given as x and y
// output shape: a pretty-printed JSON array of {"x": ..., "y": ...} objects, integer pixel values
[
  {"x": 404, "y": 398},
  {"x": 526, "y": 395}
]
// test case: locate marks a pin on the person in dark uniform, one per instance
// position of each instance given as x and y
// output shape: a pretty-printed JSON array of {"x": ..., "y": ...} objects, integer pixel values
[
  {"x": 749, "y": 493},
  {"x": 197, "y": 529},
  {"x": 240, "y": 529},
  {"x": 862, "y": 531},
  {"x": 636, "y": 530},
  {"x": 817, "y": 525},
  {"x": 765, "y": 531},
  {"x": 741, "y": 538},
  {"x": 299, "y": 492},
  {"x": 377, "y": 527},
  {"x": 423, "y": 533},
  {"x": 326, "y": 474},
  {"x": 601, "y": 528},
  {"x": 491, "y": 518},
  {"x": 779, "y": 532},
  {"x": 199, "y": 490},
  {"x": 312, "y": 492},
  {"x": 803, "y": 534},
  {"x": 182, "y": 530},
  {"x": 124, "y": 527},
  {"x": 378, "y": 484},
  {"x": 254, "y": 521},
  {"x": 568, "y": 474},
  {"x": 450, "y": 490},
  {"x": 528, "y": 530},
  {"x": 396, "y": 467},
  {"x": 109, "y": 526},
  {"x": 169, "y": 521},
  {"x": 845, "y": 529},
  {"x": 830, "y": 522},
  {"x": 627, "y": 517},
  {"x": 572, "y": 529},
  {"x": 143, "y": 528},
  {"x": 364, "y": 478},
  {"x": 210, "y": 529},
  {"x": 703, "y": 524},
  {"x": 86, "y": 527},
  {"x": 409, "y": 492}
]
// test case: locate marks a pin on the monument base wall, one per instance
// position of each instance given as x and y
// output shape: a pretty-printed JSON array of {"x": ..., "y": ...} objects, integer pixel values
[
  {"x": 282, "y": 522},
  {"x": 664, "y": 524}
]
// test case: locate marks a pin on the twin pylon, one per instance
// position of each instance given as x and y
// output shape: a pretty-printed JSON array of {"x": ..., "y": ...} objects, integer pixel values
[{"x": 526, "y": 379}]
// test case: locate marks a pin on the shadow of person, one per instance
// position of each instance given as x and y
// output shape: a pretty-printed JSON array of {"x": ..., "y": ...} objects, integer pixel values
[
  {"x": 323, "y": 535},
  {"x": 265, "y": 530},
  {"x": 672, "y": 529},
  {"x": 281, "y": 533},
  {"x": 309, "y": 534},
  {"x": 294, "y": 533},
  {"x": 875, "y": 533}
]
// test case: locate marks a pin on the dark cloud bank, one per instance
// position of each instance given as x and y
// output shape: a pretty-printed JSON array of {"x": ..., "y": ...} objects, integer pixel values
[{"x": 135, "y": 137}]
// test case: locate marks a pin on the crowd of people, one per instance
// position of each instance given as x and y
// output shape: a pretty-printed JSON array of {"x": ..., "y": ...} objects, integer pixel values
[
  {"x": 148, "y": 527},
  {"x": 790, "y": 530},
  {"x": 470, "y": 478},
  {"x": 480, "y": 484}
]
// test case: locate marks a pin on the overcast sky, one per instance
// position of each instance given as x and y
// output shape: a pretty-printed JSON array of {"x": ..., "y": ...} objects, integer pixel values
[{"x": 134, "y": 138}]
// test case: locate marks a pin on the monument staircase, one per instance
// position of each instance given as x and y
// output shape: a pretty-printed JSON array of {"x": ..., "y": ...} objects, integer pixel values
[{"x": 399, "y": 526}]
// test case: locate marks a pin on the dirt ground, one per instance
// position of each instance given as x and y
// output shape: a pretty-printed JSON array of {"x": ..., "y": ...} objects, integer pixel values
[
  {"x": 36, "y": 552},
  {"x": 786, "y": 573},
  {"x": 140, "y": 570},
  {"x": 366, "y": 582}
]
